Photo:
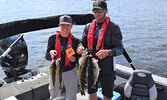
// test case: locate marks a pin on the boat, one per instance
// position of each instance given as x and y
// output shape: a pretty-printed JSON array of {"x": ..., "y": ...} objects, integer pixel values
[{"x": 30, "y": 84}]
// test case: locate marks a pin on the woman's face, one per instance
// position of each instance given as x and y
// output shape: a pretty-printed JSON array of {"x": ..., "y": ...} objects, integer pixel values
[{"x": 65, "y": 29}]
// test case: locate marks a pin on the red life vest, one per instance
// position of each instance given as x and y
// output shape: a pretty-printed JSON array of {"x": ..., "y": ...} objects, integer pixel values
[
  {"x": 100, "y": 37},
  {"x": 58, "y": 47}
]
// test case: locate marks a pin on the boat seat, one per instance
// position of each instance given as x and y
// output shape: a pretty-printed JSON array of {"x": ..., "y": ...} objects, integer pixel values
[{"x": 140, "y": 86}]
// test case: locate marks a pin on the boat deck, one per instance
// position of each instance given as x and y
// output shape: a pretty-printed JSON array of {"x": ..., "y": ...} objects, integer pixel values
[
  {"x": 36, "y": 88},
  {"x": 79, "y": 97}
]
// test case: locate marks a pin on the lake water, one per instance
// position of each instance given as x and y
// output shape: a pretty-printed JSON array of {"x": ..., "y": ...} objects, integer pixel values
[{"x": 142, "y": 22}]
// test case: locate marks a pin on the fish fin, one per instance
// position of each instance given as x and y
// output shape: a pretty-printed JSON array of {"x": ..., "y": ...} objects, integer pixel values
[
  {"x": 94, "y": 86},
  {"x": 60, "y": 88},
  {"x": 53, "y": 87}
]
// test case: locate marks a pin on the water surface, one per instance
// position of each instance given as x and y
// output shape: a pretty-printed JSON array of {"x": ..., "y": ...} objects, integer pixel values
[{"x": 142, "y": 22}]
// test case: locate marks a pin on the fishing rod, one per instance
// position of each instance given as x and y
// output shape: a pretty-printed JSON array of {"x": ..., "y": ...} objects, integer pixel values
[
  {"x": 10, "y": 47},
  {"x": 128, "y": 58}
]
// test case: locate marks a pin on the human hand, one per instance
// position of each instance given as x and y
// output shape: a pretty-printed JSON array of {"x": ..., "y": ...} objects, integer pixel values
[
  {"x": 72, "y": 58},
  {"x": 53, "y": 53},
  {"x": 102, "y": 54},
  {"x": 80, "y": 50}
]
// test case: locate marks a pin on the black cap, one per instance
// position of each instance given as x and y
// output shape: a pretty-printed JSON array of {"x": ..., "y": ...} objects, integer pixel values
[
  {"x": 65, "y": 20},
  {"x": 99, "y": 4}
]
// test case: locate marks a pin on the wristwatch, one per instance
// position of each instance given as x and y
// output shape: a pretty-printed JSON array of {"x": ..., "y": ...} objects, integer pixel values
[{"x": 110, "y": 53}]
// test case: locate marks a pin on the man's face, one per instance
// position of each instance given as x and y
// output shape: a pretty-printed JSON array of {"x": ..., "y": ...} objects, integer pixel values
[
  {"x": 65, "y": 28},
  {"x": 99, "y": 14}
]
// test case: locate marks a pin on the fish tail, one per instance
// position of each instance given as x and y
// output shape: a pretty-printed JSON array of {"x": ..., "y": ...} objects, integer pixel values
[{"x": 82, "y": 91}]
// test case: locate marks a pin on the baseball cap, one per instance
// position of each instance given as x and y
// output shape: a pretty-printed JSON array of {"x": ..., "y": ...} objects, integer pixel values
[
  {"x": 99, "y": 4},
  {"x": 65, "y": 19}
]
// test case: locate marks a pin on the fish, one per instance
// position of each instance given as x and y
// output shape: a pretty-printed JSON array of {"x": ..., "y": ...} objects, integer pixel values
[
  {"x": 59, "y": 73},
  {"x": 52, "y": 70},
  {"x": 82, "y": 73},
  {"x": 96, "y": 70}
]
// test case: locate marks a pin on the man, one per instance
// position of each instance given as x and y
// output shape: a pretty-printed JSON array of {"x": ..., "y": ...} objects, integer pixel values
[
  {"x": 58, "y": 45},
  {"x": 103, "y": 39}
]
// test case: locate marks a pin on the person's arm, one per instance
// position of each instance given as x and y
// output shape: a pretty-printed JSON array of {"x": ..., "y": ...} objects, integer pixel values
[
  {"x": 117, "y": 42},
  {"x": 50, "y": 46},
  {"x": 83, "y": 42},
  {"x": 77, "y": 43},
  {"x": 84, "y": 36}
]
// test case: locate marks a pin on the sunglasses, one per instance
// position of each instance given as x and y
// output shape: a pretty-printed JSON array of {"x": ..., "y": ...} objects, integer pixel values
[{"x": 97, "y": 10}]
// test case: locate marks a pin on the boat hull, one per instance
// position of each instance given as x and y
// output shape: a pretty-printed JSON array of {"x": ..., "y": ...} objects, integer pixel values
[{"x": 36, "y": 87}]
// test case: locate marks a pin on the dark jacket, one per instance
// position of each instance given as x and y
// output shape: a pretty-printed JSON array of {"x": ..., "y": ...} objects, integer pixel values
[
  {"x": 112, "y": 40},
  {"x": 51, "y": 46}
]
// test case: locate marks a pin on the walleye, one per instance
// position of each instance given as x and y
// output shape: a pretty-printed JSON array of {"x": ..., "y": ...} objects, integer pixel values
[
  {"x": 59, "y": 73},
  {"x": 52, "y": 70},
  {"x": 82, "y": 73},
  {"x": 96, "y": 70}
]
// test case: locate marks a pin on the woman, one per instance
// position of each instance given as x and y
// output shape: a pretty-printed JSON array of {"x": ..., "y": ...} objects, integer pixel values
[{"x": 58, "y": 46}]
